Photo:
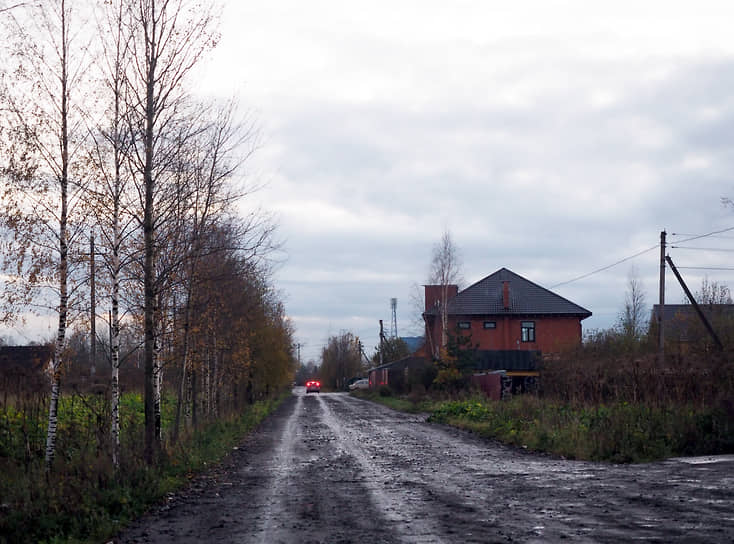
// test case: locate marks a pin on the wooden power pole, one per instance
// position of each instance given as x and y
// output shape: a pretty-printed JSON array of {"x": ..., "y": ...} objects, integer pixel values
[{"x": 661, "y": 305}]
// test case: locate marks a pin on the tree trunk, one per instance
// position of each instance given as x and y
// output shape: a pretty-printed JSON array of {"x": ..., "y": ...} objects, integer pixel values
[
  {"x": 158, "y": 370},
  {"x": 194, "y": 412},
  {"x": 149, "y": 288},
  {"x": 115, "y": 329},
  {"x": 184, "y": 365},
  {"x": 63, "y": 255},
  {"x": 215, "y": 381},
  {"x": 151, "y": 445}
]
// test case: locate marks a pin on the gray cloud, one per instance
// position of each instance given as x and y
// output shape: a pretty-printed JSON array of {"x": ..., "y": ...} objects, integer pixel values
[{"x": 551, "y": 140}]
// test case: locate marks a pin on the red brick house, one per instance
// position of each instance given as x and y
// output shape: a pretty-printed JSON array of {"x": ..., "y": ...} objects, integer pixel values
[{"x": 511, "y": 320}]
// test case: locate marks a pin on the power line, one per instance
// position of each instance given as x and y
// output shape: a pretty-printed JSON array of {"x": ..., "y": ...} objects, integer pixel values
[
  {"x": 703, "y": 248},
  {"x": 605, "y": 267},
  {"x": 704, "y": 268},
  {"x": 712, "y": 236},
  {"x": 690, "y": 238},
  {"x": 702, "y": 235}
]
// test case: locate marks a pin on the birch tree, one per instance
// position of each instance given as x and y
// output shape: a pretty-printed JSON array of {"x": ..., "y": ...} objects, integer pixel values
[
  {"x": 634, "y": 316},
  {"x": 445, "y": 270},
  {"x": 45, "y": 174},
  {"x": 170, "y": 37},
  {"x": 109, "y": 200}
]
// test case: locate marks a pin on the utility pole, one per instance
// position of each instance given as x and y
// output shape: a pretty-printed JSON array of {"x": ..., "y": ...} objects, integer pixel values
[
  {"x": 661, "y": 306},
  {"x": 695, "y": 305},
  {"x": 298, "y": 345},
  {"x": 382, "y": 341}
]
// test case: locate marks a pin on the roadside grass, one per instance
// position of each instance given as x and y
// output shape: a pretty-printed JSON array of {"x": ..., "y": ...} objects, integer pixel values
[
  {"x": 408, "y": 404},
  {"x": 83, "y": 499},
  {"x": 619, "y": 432}
]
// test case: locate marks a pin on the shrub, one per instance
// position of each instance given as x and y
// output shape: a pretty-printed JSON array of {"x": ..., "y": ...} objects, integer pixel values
[{"x": 385, "y": 391}]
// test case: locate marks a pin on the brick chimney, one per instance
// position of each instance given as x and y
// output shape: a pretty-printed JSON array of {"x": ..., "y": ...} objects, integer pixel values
[
  {"x": 506, "y": 295},
  {"x": 433, "y": 294}
]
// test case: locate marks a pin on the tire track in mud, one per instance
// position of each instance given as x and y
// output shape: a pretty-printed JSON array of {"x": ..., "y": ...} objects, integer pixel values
[
  {"x": 281, "y": 469},
  {"x": 332, "y": 468},
  {"x": 408, "y": 523},
  {"x": 481, "y": 491},
  {"x": 318, "y": 494}
]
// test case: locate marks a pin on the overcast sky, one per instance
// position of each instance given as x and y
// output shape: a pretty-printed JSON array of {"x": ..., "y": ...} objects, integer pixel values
[
  {"x": 553, "y": 138},
  {"x": 550, "y": 137}
]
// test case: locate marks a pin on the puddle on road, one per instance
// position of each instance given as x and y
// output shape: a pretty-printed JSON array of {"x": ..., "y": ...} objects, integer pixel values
[{"x": 704, "y": 460}]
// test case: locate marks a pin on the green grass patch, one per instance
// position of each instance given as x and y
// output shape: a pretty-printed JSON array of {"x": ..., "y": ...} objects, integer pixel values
[
  {"x": 402, "y": 404},
  {"x": 620, "y": 432},
  {"x": 83, "y": 499}
]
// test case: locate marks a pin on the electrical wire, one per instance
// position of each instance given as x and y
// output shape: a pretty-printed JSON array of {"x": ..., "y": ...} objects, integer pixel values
[
  {"x": 701, "y": 235},
  {"x": 606, "y": 267},
  {"x": 712, "y": 236},
  {"x": 702, "y": 248},
  {"x": 704, "y": 268},
  {"x": 690, "y": 238}
]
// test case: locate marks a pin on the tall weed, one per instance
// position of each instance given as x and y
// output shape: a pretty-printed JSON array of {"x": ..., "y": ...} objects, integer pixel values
[
  {"x": 616, "y": 432},
  {"x": 84, "y": 499}
]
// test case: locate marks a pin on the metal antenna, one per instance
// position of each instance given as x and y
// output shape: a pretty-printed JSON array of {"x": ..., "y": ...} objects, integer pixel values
[{"x": 394, "y": 322}]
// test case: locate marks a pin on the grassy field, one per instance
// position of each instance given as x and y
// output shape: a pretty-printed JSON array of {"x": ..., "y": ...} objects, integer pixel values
[
  {"x": 83, "y": 499},
  {"x": 619, "y": 432}
]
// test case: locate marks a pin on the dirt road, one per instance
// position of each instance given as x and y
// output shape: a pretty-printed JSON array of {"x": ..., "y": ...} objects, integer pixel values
[{"x": 331, "y": 468}]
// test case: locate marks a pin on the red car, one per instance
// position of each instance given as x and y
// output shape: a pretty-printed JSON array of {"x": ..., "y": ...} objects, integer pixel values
[{"x": 313, "y": 386}]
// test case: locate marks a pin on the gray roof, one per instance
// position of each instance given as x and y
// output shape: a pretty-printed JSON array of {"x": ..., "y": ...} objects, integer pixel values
[
  {"x": 686, "y": 311},
  {"x": 526, "y": 298},
  {"x": 413, "y": 342}
]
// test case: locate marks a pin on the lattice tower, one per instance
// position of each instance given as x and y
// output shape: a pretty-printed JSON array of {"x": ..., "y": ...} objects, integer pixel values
[{"x": 394, "y": 322}]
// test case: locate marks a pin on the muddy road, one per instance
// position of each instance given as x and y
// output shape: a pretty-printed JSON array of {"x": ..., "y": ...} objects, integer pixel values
[{"x": 331, "y": 468}]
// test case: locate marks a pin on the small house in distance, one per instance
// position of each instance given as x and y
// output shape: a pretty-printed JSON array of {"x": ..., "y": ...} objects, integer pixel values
[
  {"x": 24, "y": 368},
  {"x": 683, "y": 328},
  {"x": 512, "y": 322}
]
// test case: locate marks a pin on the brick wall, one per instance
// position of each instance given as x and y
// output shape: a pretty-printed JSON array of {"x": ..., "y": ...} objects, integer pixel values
[{"x": 552, "y": 334}]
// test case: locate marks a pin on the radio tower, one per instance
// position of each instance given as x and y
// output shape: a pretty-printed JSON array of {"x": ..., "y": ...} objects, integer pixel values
[{"x": 394, "y": 322}]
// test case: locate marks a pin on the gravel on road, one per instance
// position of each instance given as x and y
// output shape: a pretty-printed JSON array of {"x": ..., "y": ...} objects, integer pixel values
[{"x": 331, "y": 468}]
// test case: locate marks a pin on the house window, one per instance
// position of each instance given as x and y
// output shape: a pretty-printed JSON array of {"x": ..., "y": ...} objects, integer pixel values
[
  {"x": 464, "y": 324},
  {"x": 527, "y": 331},
  {"x": 490, "y": 324}
]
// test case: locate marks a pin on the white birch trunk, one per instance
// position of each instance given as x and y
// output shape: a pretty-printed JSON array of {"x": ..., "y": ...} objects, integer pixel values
[{"x": 63, "y": 253}]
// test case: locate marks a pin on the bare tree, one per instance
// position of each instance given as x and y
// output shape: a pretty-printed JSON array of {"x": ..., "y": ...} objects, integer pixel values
[
  {"x": 45, "y": 173},
  {"x": 109, "y": 201},
  {"x": 209, "y": 161},
  {"x": 445, "y": 270},
  {"x": 171, "y": 36},
  {"x": 634, "y": 317},
  {"x": 712, "y": 292},
  {"x": 12, "y": 6},
  {"x": 340, "y": 360}
]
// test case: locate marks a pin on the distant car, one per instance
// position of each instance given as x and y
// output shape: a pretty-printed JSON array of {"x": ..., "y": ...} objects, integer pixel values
[
  {"x": 362, "y": 383},
  {"x": 313, "y": 386}
]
